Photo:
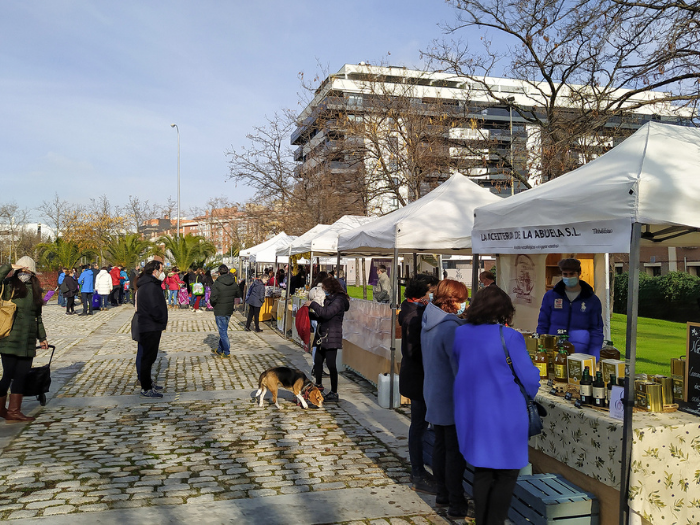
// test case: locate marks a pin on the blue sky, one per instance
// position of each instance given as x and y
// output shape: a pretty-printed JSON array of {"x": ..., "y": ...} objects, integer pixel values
[{"x": 88, "y": 90}]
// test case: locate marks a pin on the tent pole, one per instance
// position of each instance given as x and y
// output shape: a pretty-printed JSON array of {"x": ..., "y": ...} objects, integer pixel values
[
  {"x": 415, "y": 264},
  {"x": 394, "y": 286},
  {"x": 337, "y": 267},
  {"x": 311, "y": 269},
  {"x": 286, "y": 293},
  {"x": 475, "y": 274},
  {"x": 440, "y": 274},
  {"x": 630, "y": 358},
  {"x": 607, "y": 297}
]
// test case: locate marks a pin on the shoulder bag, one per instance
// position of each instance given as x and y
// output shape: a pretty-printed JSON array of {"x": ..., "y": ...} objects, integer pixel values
[
  {"x": 535, "y": 411},
  {"x": 8, "y": 309}
]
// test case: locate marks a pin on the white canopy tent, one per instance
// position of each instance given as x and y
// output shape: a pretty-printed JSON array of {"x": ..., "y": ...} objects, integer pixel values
[
  {"x": 439, "y": 222},
  {"x": 642, "y": 192},
  {"x": 266, "y": 252}
]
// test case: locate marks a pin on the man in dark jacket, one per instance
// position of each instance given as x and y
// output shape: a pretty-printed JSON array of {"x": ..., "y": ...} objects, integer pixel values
[
  {"x": 411, "y": 375},
  {"x": 255, "y": 298},
  {"x": 152, "y": 313},
  {"x": 224, "y": 291},
  {"x": 572, "y": 305}
]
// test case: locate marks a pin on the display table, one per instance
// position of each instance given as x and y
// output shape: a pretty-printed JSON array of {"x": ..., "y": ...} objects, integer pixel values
[
  {"x": 665, "y": 475},
  {"x": 269, "y": 309}
]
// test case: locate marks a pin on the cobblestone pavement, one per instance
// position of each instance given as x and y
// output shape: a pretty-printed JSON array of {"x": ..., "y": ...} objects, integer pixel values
[{"x": 98, "y": 447}]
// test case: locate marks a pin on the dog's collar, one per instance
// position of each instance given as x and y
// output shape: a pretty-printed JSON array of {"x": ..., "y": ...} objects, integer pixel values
[{"x": 306, "y": 389}]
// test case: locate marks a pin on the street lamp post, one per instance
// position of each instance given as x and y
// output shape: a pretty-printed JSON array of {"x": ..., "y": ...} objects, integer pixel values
[
  {"x": 178, "y": 177},
  {"x": 512, "y": 167}
]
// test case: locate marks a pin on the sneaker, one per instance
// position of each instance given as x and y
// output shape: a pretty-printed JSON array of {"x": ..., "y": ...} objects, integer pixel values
[
  {"x": 258, "y": 330},
  {"x": 157, "y": 388},
  {"x": 151, "y": 393},
  {"x": 225, "y": 356},
  {"x": 424, "y": 484},
  {"x": 320, "y": 388},
  {"x": 331, "y": 396},
  {"x": 442, "y": 501},
  {"x": 247, "y": 329}
]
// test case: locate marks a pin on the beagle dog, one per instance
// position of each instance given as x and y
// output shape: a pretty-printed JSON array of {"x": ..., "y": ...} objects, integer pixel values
[{"x": 291, "y": 379}]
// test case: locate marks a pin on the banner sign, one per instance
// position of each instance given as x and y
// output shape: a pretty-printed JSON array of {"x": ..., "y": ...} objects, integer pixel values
[{"x": 581, "y": 237}]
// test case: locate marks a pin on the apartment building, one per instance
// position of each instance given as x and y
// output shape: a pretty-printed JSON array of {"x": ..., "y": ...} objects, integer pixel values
[{"x": 425, "y": 127}]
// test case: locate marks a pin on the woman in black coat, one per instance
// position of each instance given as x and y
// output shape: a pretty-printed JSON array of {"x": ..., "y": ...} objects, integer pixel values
[
  {"x": 411, "y": 375},
  {"x": 329, "y": 336},
  {"x": 71, "y": 290}
]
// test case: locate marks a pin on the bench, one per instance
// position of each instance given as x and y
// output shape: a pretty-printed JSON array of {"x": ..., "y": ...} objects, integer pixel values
[{"x": 538, "y": 499}]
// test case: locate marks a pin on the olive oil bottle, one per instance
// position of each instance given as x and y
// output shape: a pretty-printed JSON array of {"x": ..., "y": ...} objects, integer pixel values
[
  {"x": 586, "y": 387},
  {"x": 541, "y": 360},
  {"x": 560, "y": 372},
  {"x": 608, "y": 393},
  {"x": 598, "y": 390},
  {"x": 566, "y": 344}
]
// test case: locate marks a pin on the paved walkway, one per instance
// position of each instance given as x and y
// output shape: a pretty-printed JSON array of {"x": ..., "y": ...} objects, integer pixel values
[{"x": 205, "y": 453}]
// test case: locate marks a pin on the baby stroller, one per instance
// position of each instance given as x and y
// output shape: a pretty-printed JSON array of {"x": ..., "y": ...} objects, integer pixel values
[{"x": 39, "y": 379}]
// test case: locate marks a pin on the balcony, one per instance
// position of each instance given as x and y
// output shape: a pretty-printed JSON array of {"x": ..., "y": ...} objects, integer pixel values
[{"x": 299, "y": 154}]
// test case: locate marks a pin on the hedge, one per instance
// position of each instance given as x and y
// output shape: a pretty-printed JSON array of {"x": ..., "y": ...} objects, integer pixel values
[{"x": 672, "y": 297}]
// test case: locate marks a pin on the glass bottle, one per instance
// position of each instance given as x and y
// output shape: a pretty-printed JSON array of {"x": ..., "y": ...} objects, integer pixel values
[
  {"x": 560, "y": 372},
  {"x": 609, "y": 351},
  {"x": 566, "y": 344},
  {"x": 541, "y": 361},
  {"x": 598, "y": 388},
  {"x": 608, "y": 393},
  {"x": 586, "y": 387}
]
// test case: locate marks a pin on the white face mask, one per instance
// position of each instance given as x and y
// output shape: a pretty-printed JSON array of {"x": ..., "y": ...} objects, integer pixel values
[
  {"x": 25, "y": 277},
  {"x": 161, "y": 276}
]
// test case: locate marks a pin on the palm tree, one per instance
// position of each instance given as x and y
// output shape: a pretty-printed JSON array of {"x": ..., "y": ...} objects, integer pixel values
[
  {"x": 127, "y": 250},
  {"x": 61, "y": 254},
  {"x": 185, "y": 251}
]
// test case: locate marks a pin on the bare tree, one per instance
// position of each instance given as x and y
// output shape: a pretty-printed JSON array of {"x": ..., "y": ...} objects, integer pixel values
[
  {"x": 222, "y": 219},
  {"x": 586, "y": 67},
  {"x": 169, "y": 209},
  {"x": 56, "y": 212},
  {"x": 266, "y": 164},
  {"x": 13, "y": 220},
  {"x": 137, "y": 212}
]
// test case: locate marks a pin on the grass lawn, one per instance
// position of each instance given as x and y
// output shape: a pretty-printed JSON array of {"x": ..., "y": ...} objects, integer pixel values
[
  {"x": 356, "y": 292},
  {"x": 657, "y": 342}
]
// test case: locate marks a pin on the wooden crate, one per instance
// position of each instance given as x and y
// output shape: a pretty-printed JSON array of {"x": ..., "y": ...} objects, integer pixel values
[
  {"x": 549, "y": 499},
  {"x": 540, "y": 499}
]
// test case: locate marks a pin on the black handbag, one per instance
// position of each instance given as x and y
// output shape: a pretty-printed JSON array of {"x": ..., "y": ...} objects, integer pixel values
[
  {"x": 38, "y": 380},
  {"x": 535, "y": 411}
]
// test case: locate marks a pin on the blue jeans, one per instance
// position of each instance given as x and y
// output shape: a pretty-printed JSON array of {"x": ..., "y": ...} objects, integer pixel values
[
  {"x": 61, "y": 300},
  {"x": 172, "y": 297},
  {"x": 415, "y": 436},
  {"x": 104, "y": 301},
  {"x": 222, "y": 325}
]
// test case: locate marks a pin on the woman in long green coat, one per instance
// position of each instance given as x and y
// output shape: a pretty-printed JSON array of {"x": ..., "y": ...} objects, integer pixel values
[{"x": 18, "y": 349}]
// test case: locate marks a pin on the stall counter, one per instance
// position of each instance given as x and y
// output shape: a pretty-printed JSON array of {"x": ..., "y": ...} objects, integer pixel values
[{"x": 665, "y": 476}]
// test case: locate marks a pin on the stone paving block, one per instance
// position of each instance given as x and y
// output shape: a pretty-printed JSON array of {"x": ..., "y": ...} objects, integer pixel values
[
  {"x": 19, "y": 514},
  {"x": 61, "y": 509},
  {"x": 44, "y": 504},
  {"x": 205, "y": 498}
]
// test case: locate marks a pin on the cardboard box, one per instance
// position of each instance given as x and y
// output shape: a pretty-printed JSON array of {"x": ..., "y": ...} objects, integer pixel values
[
  {"x": 576, "y": 363},
  {"x": 612, "y": 366}
]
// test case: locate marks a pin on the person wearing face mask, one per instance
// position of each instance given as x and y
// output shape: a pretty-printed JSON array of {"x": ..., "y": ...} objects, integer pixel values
[
  {"x": 440, "y": 320},
  {"x": 573, "y": 306},
  {"x": 152, "y": 312},
  {"x": 411, "y": 376},
  {"x": 316, "y": 293},
  {"x": 18, "y": 349},
  {"x": 486, "y": 279},
  {"x": 330, "y": 331}
]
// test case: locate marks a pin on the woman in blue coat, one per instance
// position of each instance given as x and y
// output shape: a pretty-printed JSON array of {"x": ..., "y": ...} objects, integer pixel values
[
  {"x": 436, "y": 340},
  {"x": 490, "y": 411}
]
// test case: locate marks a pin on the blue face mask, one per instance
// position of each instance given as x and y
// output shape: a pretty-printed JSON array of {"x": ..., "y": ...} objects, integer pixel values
[
  {"x": 430, "y": 297},
  {"x": 327, "y": 294},
  {"x": 570, "y": 282},
  {"x": 462, "y": 307}
]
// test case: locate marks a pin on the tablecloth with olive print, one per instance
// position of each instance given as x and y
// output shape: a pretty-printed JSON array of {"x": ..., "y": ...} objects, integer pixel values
[{"x": 665, "y": 477}]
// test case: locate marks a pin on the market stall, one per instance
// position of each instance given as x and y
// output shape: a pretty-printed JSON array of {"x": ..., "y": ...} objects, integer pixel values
[
  {"x": 643, "y": 191},
  {"x": 439, "y": 222},
  {"x": 321, "y": 240},
  {"x": 266, "y": 253}
]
